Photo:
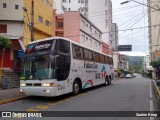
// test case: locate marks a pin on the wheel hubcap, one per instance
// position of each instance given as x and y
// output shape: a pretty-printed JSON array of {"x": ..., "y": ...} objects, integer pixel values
[{"x": 76, "y": 88}]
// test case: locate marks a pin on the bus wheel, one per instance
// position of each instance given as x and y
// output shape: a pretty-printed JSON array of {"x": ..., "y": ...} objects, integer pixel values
[
  {"x": 109, "y": 81},
  {"x": 106, "y": 81},
  {"x": 76, "y": 87}
]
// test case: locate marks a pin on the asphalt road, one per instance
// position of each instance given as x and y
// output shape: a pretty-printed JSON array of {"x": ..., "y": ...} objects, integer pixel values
[{"x": 123, "y": 95}]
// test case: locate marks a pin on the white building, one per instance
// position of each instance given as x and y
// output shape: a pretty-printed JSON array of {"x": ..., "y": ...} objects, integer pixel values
[
  {"x": 11, "y": 17},
  {"x": 71, "y": 5},
  {"x": 114, "y": 35},
  {"x": 100, "y": 13},
  {"x": 146, "y": 63}
]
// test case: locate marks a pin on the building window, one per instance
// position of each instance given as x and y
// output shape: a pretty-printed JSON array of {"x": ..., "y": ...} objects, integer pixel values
[
  {"x": 82, "y": 1},
  {"x": 69, "y": 1},
  {"x": 47, "y": 23},
  {"x": 4, "y": 5},
  {"x": 16, "y": 7},
  {"x": 3, "y": 28},
  {"x": 78, "y": 1},
  {"x": 64, "y": 1},
  {"x": 48, "y": 3},
  {"x": 91, "y": 28},
  {"x": 86, "y": 25},
  {"x": 91, "y": 41},
  {"x": 60, "y": 24},
  {"x": 40, "y": 19},
  {"x": 83, "y": 38},
  {"x": 86, "y": 38},
  {"x": 83, "y": 23},
  {"x": 69, "y": 9}
]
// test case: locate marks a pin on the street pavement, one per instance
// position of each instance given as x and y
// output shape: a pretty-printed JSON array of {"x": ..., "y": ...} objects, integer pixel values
[
  {"x": 123, "y": 95},
  {"x": 6, "y": 94}
]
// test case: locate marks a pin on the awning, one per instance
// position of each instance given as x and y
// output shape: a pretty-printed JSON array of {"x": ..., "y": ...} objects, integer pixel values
[{"x": 15, "y": 39}]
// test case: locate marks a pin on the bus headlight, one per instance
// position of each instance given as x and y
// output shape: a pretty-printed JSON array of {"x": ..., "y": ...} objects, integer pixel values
[
  {"x": 45, "y": 84},
  {"x": 23, "y": 84}
]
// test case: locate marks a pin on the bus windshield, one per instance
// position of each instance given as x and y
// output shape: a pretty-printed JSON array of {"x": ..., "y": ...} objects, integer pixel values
[{"x": 37, "y": 67}]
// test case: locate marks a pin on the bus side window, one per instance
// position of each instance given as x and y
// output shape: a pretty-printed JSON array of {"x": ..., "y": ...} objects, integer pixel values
[
  {"x": 77, "y": 51},
  {"x": 86, "y": 54},
  {"x": 96, "y": 57},
  {"x": 106, "y": 60},
  {"x": 102, "y": 59},
  {"x": 64, "y": 46}
]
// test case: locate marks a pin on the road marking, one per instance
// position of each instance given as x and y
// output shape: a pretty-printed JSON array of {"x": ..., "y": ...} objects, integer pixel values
[
  {"x": 151, "y": 95},
  {"x": 151, "y": 109},
  {"x": 32, "y": 110},
  {"x": 42, "y": 107}
]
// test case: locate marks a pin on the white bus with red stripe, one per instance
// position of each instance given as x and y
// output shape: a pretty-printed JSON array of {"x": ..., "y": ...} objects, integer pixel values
[{"x": 56, "y": 66}]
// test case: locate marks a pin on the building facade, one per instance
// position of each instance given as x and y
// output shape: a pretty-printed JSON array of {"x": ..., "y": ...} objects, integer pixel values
[
  {"x": 99, "y": 12},
  {"x": 154, "y": 32},
  {"x": 15, "y": 22},
  {"x": 105, "y": 48},
  {"x": 120, "y": 63},
  {"x": 12, "y": 27},
  {"x": 42, "y": 19},
  {"x": 72, "y": 5},
  {"x": 80, "y": 29},
  {"x": 146, "y": 64},
  {"x": 114, "y": 35}
]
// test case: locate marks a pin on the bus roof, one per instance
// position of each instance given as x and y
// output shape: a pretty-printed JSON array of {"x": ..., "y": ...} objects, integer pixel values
[{"x": 46, "y": 39}]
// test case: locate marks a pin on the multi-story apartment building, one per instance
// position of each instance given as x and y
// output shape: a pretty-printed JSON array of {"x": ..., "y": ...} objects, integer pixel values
[
  {"x": 105, "y": 48},
  {"x": 72, "y": 5},
  {"x": 154, "y": 30},
  {"x": 79, "y": 29},
  {"x": 114, "y": 35},
  {"x": 120, "y": 62},
  {"x": 146, "y": 63},
  {"x": 42, "y": 19},
  {"x": 99, "y": 12}
]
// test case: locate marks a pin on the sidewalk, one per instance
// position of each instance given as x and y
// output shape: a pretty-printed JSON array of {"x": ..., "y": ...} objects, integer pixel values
[
  {"x": 9, "y": 95},
  {"x": 156, "y": 88}
]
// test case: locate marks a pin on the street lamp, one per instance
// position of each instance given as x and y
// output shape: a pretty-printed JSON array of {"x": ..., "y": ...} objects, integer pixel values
[{"x": 139, "y": 3}]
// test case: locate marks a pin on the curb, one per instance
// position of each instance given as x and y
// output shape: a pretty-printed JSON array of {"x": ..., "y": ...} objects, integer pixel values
[
  {"x": 157, "y": 89},
  {"x": 12, "y": 100}
]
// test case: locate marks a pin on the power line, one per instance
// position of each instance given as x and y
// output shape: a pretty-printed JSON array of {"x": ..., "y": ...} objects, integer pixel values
[{"x": 134, "y": 24}]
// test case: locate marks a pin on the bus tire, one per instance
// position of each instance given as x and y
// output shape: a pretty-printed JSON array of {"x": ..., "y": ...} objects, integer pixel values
[
  {"x": 106, "y": 81},
  {"x": 76, "y": 87},
  {"x": 109, "y": 81}
]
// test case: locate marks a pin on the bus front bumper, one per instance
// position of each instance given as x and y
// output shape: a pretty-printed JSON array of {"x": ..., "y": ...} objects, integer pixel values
[{"x": 39, "y": 91}]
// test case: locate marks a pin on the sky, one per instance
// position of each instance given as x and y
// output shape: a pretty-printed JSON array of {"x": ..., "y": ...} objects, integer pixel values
[{"x": 128, "y": 16}]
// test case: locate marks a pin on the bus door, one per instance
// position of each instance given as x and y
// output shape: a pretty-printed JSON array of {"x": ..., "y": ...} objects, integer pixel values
[{"x": 62, "y": 61}]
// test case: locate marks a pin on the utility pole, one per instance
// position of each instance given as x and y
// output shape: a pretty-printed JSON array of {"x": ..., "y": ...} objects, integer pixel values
[{"x": 32, "y": 21}]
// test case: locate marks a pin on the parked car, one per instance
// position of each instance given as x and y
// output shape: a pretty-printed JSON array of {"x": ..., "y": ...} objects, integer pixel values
[
  {"x": 133, "y": 76},
  {"x": 128, "y": 76}
]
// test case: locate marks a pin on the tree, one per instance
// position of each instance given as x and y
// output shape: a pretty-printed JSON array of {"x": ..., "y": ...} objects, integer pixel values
[
  {"x": 4, "y": 43},
  {"x": 156, "y": 64}
]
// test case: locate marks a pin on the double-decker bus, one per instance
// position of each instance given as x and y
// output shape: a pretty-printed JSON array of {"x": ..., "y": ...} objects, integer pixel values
[{"x": 56, "y": 66}]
